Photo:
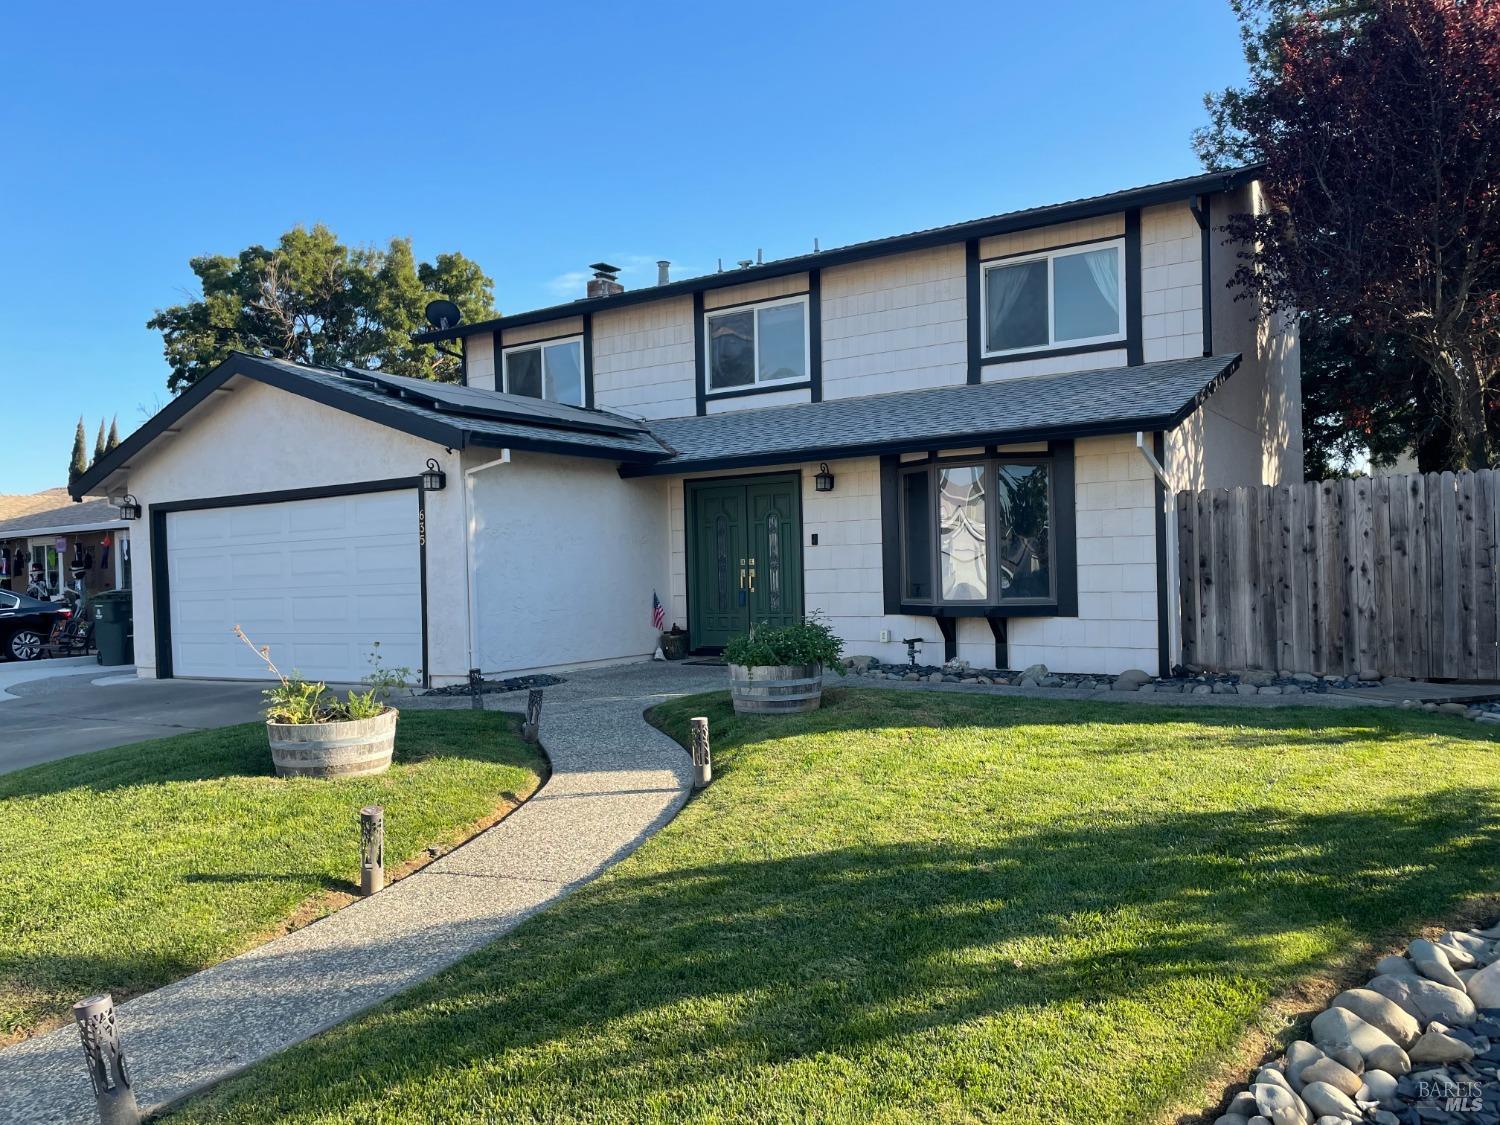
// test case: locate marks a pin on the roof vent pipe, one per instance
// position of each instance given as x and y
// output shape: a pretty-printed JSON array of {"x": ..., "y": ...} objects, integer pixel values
[
  {"x": 661, "y": 272},
  {"x": 746, "y": 263},
  {"x": 759, "y": 257}
]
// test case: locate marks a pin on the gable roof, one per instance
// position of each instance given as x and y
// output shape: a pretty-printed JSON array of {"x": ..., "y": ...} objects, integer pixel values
[
  {"x": 1149, "y": 195},
  {"x": 13, "y": 504},
  {"x": 442, "y": 413},
  {"x": 1111, "y": 400}
]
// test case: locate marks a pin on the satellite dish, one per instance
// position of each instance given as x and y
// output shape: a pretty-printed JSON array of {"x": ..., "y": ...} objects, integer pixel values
[{"x": 443, "y": 314}]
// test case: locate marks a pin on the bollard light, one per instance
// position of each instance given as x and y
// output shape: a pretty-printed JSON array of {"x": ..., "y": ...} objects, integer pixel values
[
  {"x": 703, "y": 766},
  {"x": 106, "y": 1062},
  {"x": 371, "y": 849}
]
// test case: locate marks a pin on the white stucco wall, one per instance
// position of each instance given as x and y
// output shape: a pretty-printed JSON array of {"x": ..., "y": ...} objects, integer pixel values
[
  {"x": 566, "y": 557},
  {"x": 258, "y": 439},
  {"x": 842, "y": 576}
]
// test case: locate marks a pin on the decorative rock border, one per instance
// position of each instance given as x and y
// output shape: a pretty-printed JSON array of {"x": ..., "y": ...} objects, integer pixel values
[
  {"x": 498, "y": 687},
  {"x": 1474, "y": 712},
  {"x": 1185, "y": 683},
  {"x": 1419, "y": 1044}
]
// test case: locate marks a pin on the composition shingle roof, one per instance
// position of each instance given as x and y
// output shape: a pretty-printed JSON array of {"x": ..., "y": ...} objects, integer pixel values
[
  {"x": 1152, "y": 396},
  {"x": 59, "y": 516}
]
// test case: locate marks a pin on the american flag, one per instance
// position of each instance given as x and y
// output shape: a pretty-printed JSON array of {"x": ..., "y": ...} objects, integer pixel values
[{"x": 658, "y": 614}]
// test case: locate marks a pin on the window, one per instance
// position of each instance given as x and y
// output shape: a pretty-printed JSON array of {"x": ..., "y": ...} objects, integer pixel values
[
  {"x": 553, "y": 371},
  {"x": 978, "y": 533},
  {"x": 8, "y": 601},
  {"x": 761, "y": 344},
  {"x": 1059, "y": 299}
]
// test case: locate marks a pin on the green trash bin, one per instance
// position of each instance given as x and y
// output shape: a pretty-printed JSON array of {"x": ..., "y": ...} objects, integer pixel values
[{"x": 114, "y": 632}]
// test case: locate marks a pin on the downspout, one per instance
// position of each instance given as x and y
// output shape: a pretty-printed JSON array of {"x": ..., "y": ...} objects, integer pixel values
[
  {"x": 1174, "y": 595},
  {"x": 469, "y": 570}
]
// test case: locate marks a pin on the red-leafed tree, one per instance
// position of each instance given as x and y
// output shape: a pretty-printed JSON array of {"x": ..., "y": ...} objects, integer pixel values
[{"x": 1379, "y": 122}]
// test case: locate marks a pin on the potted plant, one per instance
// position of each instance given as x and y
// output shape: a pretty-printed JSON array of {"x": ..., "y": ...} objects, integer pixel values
[
  {"x": 778, "y": 669},
  {"x": 313, "y": 733},
  {"x": 674, "y": 643}
]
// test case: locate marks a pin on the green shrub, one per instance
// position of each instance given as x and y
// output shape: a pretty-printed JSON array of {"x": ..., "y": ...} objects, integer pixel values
[
  {"x": 811, "y": 641},
  {"x": 297, "y": 701}
]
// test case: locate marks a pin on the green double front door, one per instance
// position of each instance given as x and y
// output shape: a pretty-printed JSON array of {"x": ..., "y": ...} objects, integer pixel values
[{"x": 744, "y": 557}]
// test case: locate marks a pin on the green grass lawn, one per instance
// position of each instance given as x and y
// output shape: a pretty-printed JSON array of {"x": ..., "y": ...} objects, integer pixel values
[
  {"x": 932, "y": 907},
  {"x": 127, "y": 868}
]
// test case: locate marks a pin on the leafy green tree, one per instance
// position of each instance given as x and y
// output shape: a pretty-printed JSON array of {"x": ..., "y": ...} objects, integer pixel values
[
  {"x": 312, "y": 299},
  {"x": 114, "y": 434},
  {"x": 78, "y": 464},
  {"x": 99, "y": 442}
]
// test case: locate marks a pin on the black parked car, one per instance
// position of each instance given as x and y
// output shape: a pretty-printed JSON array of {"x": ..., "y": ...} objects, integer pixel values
[{"x": 26, "y": 623}]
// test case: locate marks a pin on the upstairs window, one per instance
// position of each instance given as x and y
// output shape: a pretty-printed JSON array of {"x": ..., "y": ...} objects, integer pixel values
[
  {"x": 553, "y": 371},
  {"x": 755, "y": 345},
  {"x": 1063, "y": 298}
]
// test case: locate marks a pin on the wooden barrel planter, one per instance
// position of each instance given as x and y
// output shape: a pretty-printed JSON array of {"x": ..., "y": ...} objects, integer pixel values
[
  {"x": 775, "y": 689},
  {"x": 352, "y": 748}
]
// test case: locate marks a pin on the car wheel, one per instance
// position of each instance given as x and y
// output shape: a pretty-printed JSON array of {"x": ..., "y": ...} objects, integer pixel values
[{"x": 25, "y": 644}]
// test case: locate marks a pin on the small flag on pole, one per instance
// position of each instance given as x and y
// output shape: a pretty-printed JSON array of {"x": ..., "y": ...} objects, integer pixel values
[{"x": 658, "y": 614}]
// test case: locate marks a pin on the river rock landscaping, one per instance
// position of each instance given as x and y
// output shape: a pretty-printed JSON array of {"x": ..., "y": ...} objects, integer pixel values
[
  {"x": 1419, "y": 1044},
  {"x": 1184, "y": 682},
  {"x": 498, "y": 687}
]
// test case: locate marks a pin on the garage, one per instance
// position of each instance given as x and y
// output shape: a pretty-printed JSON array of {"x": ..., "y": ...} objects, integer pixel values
[{"x": 319, "y": 580}]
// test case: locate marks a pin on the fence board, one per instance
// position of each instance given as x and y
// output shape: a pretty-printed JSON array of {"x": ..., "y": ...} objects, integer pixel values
[{"x": 1390, "y": 575}]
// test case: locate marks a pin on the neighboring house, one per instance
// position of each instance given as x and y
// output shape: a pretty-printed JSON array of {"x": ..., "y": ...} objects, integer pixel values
[
  {"x": 976, "y": 393},
  {"x": 84, "y": 547}
]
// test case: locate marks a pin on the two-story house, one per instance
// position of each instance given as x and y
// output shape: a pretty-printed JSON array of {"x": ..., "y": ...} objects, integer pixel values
[{"x": 969, "y": 434}]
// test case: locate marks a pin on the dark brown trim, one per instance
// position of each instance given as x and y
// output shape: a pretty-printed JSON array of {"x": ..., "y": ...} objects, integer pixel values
[
  {"x": 949, "y": 627},
  {"x": 1049, "y": 353},
  {"x": 1203, "y": 213},
  {"x": 752, "y": 302},
  {"x": 700, "y": 355},
  {"x": 588, "y": 361},
  {"x": 1001, "y": 632},
  {"x": 161, "y": 578},
  {"x": 1135, "y": 348},
  {"x": 975, "y": 316},
  {"x": 756, "y": 389},
  {"x": 1040, "y": 250},
  {"x": 1163, "y": 634},
  {"x": 815, "y": 333},
  {"x": 890, "y": 530}
]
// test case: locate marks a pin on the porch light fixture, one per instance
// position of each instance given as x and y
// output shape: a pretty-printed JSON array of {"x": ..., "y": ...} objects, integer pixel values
[
  {"x": 434, "y": 479},
  {"x": 823, "y": 482},
  {"x": 130, "y": 507}
]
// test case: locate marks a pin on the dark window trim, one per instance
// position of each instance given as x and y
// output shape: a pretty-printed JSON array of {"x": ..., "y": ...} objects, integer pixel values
[
  {"x": 1062, "y": 520},
  {"x": 588, "y": 361},
  {"x": 971, "y": 301},
  {"x": 1052, "y": 353},
  {"x": 815, "y": 339},
  {"x": 1135, "y": 347},
  {"x": 1159, "y": 493},
  {"x": 813, "y": 352},
  {"x": 1017, "y": 354},
  {"x": 1202, "y": 212},
  {"x": 700, "y": 353},
  {"x": 768, "y": 389},
  {"x": 161, "y": 582},
  {"x": 1040, "y": 250}
]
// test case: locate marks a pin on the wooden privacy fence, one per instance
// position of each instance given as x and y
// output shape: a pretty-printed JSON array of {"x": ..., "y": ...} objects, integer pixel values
[{"x": 1392, "y": 575}]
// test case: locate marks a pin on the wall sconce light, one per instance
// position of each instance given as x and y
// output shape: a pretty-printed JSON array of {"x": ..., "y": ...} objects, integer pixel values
[
  {"x": 130, "y": 508},
  {"x": 434, "y": 479},
  {"x": 823, "y": 482}
]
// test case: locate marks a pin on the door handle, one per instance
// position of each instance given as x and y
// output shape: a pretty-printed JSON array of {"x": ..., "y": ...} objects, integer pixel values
[{"x": 752, "y": 576}]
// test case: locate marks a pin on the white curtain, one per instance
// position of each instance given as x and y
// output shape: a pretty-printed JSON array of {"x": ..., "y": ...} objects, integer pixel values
[
  {"x": 1003, "y": 289},
  {"x": 1104, "y": 269}
]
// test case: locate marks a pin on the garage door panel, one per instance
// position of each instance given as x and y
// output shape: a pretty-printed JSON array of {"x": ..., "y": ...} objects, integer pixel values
[{"x": 319, "y": 581}]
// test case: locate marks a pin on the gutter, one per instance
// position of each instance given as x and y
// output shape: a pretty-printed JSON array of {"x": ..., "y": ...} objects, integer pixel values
[
  {"x": 1173, "y": 598},
  {"x": 470, "y": 570}
]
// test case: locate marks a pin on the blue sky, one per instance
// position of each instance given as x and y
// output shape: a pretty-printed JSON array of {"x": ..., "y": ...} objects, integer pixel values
[{"x": 535, "y": 139}]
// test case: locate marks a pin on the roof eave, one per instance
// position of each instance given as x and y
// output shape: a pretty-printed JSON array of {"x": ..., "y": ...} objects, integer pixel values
[{"x": 1046, "y": 215}]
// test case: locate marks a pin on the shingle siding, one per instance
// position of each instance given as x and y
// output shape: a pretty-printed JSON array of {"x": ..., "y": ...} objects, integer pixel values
[
  {"x": 1171, "y": 283},
  {"x": 643, "y": 359}
]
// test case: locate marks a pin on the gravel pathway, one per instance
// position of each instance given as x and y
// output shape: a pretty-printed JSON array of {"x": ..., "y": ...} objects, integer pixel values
[{"x": 615, "y": 781}]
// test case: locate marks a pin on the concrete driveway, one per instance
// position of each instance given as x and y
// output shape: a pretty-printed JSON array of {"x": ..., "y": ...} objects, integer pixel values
[{"x": 58, "y": 716}]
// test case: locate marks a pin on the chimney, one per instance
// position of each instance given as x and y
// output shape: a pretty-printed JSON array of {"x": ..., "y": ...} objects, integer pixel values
[
  {"x": 661, "y": 272},
  {"x": 606, "y": 280}
]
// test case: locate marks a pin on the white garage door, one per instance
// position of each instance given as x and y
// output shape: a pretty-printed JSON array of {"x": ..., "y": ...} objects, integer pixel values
[{"x": 317, "y": 580}]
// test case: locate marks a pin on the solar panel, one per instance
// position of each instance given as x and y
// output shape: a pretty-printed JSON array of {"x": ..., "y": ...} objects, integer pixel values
[{"x": 479, "y": 403}]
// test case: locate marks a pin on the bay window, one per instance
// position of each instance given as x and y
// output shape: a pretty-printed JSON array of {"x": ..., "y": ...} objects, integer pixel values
[
  {"x": 552, "y": 370},
  {"x": 756, "y": 344},
  {"x": 988, "y": 535},
  {"x": 1062, "y": 298}
]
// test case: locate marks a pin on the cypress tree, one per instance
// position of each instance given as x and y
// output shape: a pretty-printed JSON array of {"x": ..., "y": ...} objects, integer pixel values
[
  {"x": 99, "y": 441},
  {"x": 79, "y": 464},
  {"x": 114, "y": 434}
]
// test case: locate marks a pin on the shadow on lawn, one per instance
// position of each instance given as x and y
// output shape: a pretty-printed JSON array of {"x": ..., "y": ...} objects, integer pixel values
[{"x": 844, "y": 950}]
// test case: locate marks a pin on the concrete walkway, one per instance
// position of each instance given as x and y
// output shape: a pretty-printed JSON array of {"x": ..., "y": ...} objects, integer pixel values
[{"x": 615, "y": 781}]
